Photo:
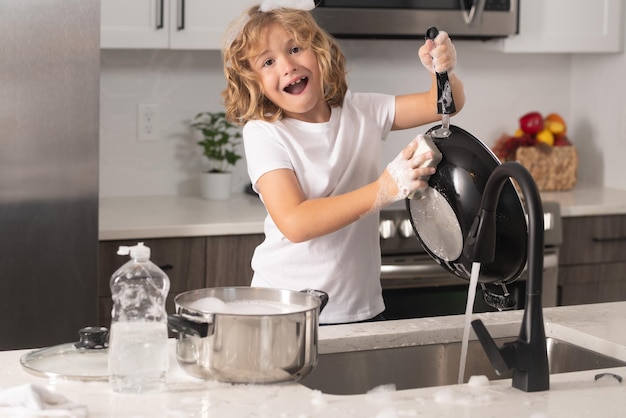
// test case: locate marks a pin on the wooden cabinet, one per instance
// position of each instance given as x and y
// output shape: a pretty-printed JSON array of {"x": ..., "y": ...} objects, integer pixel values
[
  {"x": 167, "y": 24},
  {"x": 592, "y": 260},
  {"x": 228, "y": 259},
  {"x": 182, "y": 259},
  {"x": 568, "y": 26},
  {"x": 190, "y": 263}
]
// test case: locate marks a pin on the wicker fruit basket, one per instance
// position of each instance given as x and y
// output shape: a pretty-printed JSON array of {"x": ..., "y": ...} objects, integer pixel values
[
  {"x": 552, "y": 168},
  {"x": 541, "y": 145}
]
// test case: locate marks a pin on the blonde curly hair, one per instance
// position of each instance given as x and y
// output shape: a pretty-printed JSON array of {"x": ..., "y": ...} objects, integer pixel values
[{"x": 243, "y": 96}]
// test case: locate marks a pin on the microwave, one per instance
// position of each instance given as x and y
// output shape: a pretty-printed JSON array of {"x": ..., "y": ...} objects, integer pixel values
[{"x": 398, "y": 19}]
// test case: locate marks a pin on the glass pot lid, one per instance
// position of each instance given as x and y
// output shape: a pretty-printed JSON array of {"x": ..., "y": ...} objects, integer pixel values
[{"x": 86, "y": 359}]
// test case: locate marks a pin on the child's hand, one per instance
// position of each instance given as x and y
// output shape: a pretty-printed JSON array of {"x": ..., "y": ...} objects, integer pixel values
[
  {"x": 438, "y": 55},
  {"x": 405, "y": 174}
]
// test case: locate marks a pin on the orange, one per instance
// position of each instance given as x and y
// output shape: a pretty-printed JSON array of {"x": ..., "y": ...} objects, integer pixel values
[
  {"x": 555, "y": 127},
  {"x": 555, "y": 117},
  {"x": 518, "y": 133}
]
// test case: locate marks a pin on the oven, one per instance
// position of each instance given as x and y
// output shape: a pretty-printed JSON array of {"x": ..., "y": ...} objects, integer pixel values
[
  {"x": 415, "y": 286},
  {"x": 467, "y": 19}
]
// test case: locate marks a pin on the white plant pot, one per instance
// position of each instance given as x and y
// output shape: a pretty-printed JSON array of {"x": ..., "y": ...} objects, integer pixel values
[{"x": 215, "y": 186}]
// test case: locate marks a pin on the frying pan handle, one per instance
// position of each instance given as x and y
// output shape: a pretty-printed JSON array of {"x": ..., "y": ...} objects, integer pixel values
[{"x": 445, "y": 101}]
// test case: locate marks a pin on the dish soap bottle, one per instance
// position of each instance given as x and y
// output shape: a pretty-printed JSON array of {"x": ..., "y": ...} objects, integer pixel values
[{"x": 138, "y": 353}]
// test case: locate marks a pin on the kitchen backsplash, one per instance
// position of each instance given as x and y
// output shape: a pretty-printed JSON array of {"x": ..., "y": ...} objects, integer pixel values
[{"x": 499, "y": 88}]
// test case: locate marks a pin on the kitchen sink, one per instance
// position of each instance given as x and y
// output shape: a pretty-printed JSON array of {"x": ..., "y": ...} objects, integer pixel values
[{"x": 411, "y": 367}]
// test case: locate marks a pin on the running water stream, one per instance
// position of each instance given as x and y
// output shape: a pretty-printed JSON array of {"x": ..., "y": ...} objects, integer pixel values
[{"x": 471, "y": 295}]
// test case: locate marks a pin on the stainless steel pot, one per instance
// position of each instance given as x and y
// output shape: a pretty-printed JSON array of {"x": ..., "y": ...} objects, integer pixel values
[{"x": 247, "y": 334}]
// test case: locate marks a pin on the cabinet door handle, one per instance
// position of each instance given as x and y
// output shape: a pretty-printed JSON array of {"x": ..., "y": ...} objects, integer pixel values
[
  {"x": 181, "y": 15},
  {"x": 608, "y": 239},
  {"x": 166, "y": 267},
  {"x": 159, "y": 14}
]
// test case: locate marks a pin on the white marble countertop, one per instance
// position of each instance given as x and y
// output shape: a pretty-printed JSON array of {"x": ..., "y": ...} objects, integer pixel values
[
  {"x": 589, "y": 201},
  {"x": 174, "y": 216},
  {"x": 599, "y": 327}
]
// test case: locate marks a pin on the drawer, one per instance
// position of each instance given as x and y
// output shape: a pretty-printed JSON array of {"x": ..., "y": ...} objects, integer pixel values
[
  {"x": 594, "y": 283},
  {"x": 593, "y": 239}
]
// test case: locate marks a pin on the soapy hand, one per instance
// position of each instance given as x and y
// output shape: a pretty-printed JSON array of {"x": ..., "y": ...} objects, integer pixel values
[
  {"x": 407, "y": 173},
  {"x": 438, "y": 55}
]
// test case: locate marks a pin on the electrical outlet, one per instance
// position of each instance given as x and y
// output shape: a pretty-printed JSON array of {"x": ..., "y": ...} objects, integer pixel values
[{"x": 148, "y": 122}]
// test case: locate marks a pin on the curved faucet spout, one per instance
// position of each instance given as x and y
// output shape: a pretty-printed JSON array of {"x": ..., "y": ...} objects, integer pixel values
[{"x": 527, "y": 355}]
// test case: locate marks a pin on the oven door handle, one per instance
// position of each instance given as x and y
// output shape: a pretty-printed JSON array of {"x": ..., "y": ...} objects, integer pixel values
[
  {"x": 430, "y": 269},
  {"x": 411, "y": 270}
]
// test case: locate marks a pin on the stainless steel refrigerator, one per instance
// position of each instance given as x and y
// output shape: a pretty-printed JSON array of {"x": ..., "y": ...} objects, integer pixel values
[{"x": 49, "y": 125}]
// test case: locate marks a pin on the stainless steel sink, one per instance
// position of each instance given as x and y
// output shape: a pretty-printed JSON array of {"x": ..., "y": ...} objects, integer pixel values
[{"x": 357, "y": 372}]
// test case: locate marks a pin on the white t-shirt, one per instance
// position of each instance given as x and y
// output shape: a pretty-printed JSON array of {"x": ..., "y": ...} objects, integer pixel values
[{"x": 328, "y": 159}]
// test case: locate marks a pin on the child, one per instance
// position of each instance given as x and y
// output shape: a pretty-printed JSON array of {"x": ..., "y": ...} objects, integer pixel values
[{"x": 313, "y": 148}]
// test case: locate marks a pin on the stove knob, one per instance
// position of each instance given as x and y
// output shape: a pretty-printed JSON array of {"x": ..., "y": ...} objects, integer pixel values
[
  {"x": 387, "y": 229},
  {"x": 406, "y": 229}
]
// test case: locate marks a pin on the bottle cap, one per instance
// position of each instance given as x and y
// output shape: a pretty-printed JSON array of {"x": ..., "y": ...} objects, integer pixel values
[{"x": 137, "y": 252}]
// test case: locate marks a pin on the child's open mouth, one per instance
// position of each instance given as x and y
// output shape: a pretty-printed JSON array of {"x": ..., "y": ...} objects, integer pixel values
[{"x": 297, "y": 86}]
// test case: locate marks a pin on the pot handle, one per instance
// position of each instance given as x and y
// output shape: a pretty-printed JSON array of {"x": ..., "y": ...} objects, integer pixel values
[
  {"x": 183, "y": 326},
  {"x": 321, "y": 295}
]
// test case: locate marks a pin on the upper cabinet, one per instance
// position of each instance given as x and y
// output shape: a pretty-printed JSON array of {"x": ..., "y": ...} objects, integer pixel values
[
  {"x": 167, "y": 24},
  {"x": 554, "y": 26},
  {"x": 568, "y": 26}
]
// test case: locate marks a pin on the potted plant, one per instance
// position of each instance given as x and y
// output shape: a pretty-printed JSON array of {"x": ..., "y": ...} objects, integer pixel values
[{"x": 219, "y": 145}]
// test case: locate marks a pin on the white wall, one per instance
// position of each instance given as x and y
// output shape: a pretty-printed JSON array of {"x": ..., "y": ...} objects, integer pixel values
[
  {"x": 599, "y": 114},
  {"x": 585, "y": 89},
  {"x": 182, "y": 84}
]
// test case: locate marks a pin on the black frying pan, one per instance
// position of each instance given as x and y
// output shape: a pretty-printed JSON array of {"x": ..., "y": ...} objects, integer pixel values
[{"x": 460, "y": 180}]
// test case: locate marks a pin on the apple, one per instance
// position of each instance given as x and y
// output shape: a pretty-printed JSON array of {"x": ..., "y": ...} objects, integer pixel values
[
  {"x": 531, "y": 123},
  {"x": 561, "y": 140}
]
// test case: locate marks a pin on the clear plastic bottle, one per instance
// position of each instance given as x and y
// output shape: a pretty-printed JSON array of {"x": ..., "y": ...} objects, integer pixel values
[{"x": 138, "y": 353}]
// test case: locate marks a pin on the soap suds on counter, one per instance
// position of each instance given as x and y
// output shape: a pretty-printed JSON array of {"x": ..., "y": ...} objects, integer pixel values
[
  {"x": 478, "y": 381},
  {"x": 382, "y": 393},
  {"x": 318, "y": 398},
  {"x": 460, "y": 395}
]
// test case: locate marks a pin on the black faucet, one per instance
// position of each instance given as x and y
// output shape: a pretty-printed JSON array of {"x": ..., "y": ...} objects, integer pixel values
[{"x": 527, "y": 355}]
